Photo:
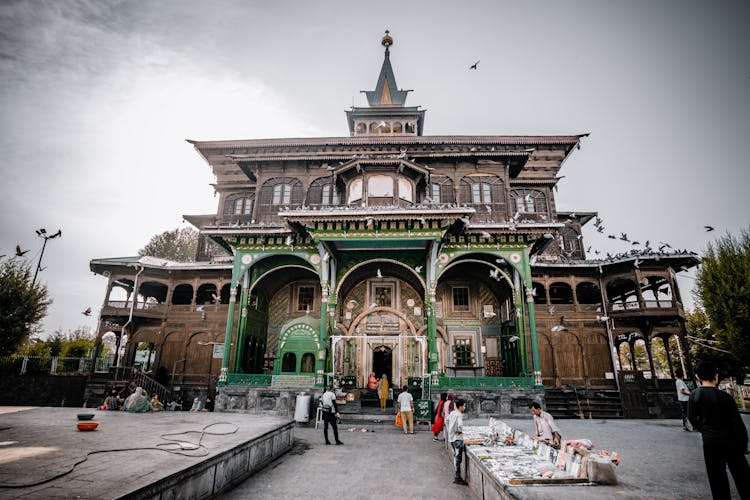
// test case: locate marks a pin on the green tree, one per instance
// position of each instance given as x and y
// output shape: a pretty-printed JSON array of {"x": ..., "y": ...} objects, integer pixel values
[
  {"x": 179, "y": 245},
  {"x": 23, "y": 304},
  {"x": 723, "y": 290}
]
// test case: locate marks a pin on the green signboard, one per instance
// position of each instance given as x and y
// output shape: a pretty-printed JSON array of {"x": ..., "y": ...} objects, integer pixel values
[{"x": 423, "y": 409}]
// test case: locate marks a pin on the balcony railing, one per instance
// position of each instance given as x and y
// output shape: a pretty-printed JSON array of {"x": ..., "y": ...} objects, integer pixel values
[
  {"x": 161, "y": 308},
  {"x": 647, "y": 304}
]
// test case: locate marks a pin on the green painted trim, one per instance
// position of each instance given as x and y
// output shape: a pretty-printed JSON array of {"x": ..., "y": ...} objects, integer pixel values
[
  {"x": 256, "y": 380},
  {"x": 483, "y": 383}
]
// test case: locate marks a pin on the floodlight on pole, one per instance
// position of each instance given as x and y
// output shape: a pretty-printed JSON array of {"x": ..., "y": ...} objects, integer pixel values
[{"x": 42, "y": 233}]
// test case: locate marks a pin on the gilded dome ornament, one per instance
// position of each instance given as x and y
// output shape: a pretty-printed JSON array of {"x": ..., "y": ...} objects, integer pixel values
[{"x": 387, "y": 40}]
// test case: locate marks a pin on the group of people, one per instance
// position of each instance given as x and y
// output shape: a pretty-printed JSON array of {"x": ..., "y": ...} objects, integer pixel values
[
  {"x": 139, "y": 402},
  {"x": 381, "y": 387}
]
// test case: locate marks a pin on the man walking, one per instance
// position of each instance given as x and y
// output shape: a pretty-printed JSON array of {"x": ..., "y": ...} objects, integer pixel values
[
  {"x": 455, "y": 428},
  {"x": 330, "y": 414},
  {"x": 683, "y": 394},
  {"x": 406, "y": 407},
  {"x": 714, "y": 413}
]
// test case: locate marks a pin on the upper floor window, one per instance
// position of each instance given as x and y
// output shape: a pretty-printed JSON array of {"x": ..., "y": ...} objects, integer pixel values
[
  {"x": 322, "y": 192},
  {"x": 279, "y": 192},
  {"x": 485, "y": 192},
  {"x": 239, "y": 205},
  {"x": 529, "y": 201},
  {"x": 405, "y": 189},
  {"x": 380, "y": 186},
  {"x": 460, "y": 298},
  {"x": 305, "y": 298},
  {"x": 355, "y": 190},
  {"x": 441, "y": 189}
]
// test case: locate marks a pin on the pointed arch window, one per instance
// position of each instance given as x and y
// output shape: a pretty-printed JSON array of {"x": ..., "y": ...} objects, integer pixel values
[{"x": 441, "y": 189}]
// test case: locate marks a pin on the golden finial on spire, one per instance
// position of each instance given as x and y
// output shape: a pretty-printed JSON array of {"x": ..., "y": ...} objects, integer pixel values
[{"x": 386, "y": 41}]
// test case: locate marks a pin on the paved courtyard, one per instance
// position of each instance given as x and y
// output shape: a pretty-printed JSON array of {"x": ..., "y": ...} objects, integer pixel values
[{"x": 658, "y": 461}]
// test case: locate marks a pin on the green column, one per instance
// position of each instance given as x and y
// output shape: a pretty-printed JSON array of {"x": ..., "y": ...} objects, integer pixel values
[
  {"x": 239, "y": 347},
  {"x": 432, "y": 350},
  {"x": 532, "y": 322},
  {"x": 520, "y": 313},
  {"x": 228, "y": 334}
]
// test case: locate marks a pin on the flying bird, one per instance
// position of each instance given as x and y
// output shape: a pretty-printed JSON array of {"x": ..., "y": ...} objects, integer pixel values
[
  {"x": 380, "y": 275},
  {"x": 551, "y": 310},
  {"x": 289, "y": 240},
  {"x": 216, "y": 298},
  {"x": 611, "y": 236},
  {"x": 486, "y": 235},
  {"x": 513, "y": 339},
  {"x": 602, "y": 319},
  {"x": 474, "y": 66},
  {"x": 19, "y": 252},
  {"x": 41, "y": 232},
  {"x": 558, "y": 328},
  {"x": 495, "y": 273},
  {"x": 418, "y": 269},
  {"x": 87, "y": 312},
  {"x": 599, "y": 229},
  {"x": 624, "y": 236},
  {"x": 708, "y": 228},
  {"x": 373, "y": 305}
]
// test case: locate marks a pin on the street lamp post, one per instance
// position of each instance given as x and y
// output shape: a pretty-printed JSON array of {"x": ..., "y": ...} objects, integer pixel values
[{"x": 42, "y": 233}]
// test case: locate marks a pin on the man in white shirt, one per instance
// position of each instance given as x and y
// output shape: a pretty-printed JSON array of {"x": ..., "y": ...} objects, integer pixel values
[
  {"x": 683, "y": 395},
  {"x": 406, "y": 407},
  {"x": 546, "y": 428},
  {"x": 330, "y": 414},
  {"x": 455, "y": 428}
]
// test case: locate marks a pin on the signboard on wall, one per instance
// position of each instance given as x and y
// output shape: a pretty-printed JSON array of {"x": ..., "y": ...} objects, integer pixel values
[{"x": 218, "y": 351}]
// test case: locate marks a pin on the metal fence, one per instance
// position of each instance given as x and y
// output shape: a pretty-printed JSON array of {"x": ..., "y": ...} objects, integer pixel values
[{"x": 21, "y": 365}]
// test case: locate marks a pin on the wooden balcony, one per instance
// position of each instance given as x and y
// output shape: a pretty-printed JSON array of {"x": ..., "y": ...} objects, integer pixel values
[
  {"x": 158, "y": 311},
  {"x": 647, "y": 308}
]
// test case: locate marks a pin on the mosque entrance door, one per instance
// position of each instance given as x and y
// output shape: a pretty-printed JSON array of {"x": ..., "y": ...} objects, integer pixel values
[{"x": 382, "y": 362}]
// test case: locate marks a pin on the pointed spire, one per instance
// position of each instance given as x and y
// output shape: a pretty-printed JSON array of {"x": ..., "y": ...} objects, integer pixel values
[{"x": 386, "y": 91}]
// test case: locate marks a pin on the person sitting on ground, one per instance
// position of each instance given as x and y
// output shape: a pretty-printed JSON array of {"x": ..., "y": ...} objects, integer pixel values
[
  {"x": 112, "y": 403},
  {"x": 546, "y": 428},
  {"x": 156, "y": 405},
  {"x": 197, "y": 404},
  {"x": 137, "y": 402},
  {"x": 209, "y": 406},
  {"x": 173, "y": 405}
]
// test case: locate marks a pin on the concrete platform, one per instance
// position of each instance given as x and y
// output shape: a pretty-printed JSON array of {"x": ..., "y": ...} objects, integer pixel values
[{"x": 147, "y": 455}]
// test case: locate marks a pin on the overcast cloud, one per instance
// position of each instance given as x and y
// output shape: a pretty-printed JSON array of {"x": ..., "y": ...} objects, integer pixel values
[{"x": 98, "y": 97}]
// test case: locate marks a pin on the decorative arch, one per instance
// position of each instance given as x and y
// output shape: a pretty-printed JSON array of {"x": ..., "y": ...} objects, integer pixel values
[
  {"x": 380, "y": 309},
  {"x": 353, "y": 269},
  {"x": 500, "y": 270},
  {"x": 588, "y": 292},
  {"x": 560, "y": 293}
]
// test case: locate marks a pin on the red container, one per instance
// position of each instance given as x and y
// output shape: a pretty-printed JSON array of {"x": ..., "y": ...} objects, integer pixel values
[{"x": 87, "y": 425}]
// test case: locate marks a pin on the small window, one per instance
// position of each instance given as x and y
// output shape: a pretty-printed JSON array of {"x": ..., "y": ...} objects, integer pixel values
[
  {"x": 289, "y": 362},
  {"x": 308, "y": 363},
  {"x": 305, "y": 298},
  {"x": 404, "y": 189},
  {"x": 380, "y": 186},
  {"x": 355, "y": 190},
  {"x": 463, "y": 354},
  {"x": 461, "y": 299},
  {"x": 282, "y": 194}
]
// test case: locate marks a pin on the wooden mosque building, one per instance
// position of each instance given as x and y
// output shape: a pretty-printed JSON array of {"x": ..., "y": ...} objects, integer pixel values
[{"x": 439, "y": 261}]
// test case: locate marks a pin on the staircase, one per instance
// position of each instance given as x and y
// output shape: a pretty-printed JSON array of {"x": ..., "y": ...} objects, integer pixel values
[
  {"x": 580, "y": 402},
  {"x": 123, "y": 378}
]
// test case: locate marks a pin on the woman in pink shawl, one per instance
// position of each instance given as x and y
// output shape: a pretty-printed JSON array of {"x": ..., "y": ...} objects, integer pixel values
[{"x": 372, "y": 382}]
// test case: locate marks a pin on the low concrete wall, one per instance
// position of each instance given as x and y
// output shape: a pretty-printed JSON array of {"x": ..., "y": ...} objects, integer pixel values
[
  {"x": 220, "y": 473},
  {"x": 496, "y": 403},
  {"x": 32, "y": 389},
  {"x": 279, "y": 401}
]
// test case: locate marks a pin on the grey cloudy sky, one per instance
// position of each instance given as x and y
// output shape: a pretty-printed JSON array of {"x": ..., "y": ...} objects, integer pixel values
[{"x": 97, "y": 99}]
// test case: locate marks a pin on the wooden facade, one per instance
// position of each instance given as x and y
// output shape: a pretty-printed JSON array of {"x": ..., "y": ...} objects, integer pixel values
[{"x": 395, "y": 252}]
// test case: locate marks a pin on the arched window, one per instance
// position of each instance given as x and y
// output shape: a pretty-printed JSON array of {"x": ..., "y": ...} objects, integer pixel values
[
  {"x": 530, "y": 202},
  {"x": 322, "y": 192},
  {"x": 280, "y": 192},
  {"x": 182, "y": 294},
  {"x": 308, "y": 363},
  {"x": 289, "y": 362},
  {"x": 206, "y": 294},
  {"x": 239, "y": 205},
  {"x": 540, "y": 295},
  {"x": 588, "y": 293},
  {"x": 560, "y": 293},
  {"x": 486, "y": 193},
  {"x": 441, "y": 189}
]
